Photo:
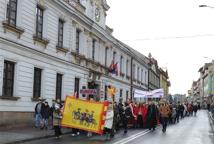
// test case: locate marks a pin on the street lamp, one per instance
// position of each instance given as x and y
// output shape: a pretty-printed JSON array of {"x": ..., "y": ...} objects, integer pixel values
[{"x": 206, "y": 6}]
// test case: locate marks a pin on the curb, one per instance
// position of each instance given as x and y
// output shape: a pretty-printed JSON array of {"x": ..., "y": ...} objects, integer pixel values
[
  {"x": 211, "y": 119},
  {"x": 36, "y": 138}
]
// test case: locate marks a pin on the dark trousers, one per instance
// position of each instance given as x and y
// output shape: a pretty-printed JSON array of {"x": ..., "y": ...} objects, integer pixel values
[
  {"x": 164, "y": 121},
  {"x": 182, "y": 114},
  {"x": 125, "y": 125},
  {"x": 57, "y": 130},
  {"x": 140, "y": 121},
  {"x": 152, "y": 124}
]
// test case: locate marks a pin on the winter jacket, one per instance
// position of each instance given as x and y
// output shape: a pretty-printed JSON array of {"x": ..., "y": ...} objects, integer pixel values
[{"x": 164, "y": 111}]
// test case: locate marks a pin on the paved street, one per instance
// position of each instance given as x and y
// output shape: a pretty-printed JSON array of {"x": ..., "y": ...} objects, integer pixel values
[{"x": 191, "y": 130}]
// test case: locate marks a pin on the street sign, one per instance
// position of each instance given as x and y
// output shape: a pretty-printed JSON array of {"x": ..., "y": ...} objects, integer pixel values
[{"x": 88, "y": 91}]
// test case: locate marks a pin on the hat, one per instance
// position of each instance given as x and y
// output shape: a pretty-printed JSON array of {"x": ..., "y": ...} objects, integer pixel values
[{"x": 56, "y": 106}]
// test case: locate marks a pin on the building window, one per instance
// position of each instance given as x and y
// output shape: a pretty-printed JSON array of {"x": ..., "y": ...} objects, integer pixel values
[
  {"x": 76, "y": 86},
  {"x": 37, "y": 83},
  {"x": 106, "y": 93},
  {"x": 59, "y": 86},
  {"x": 77, "y": 40},
  {"x": 106, "y": 55},
  {"x": 93, "y": 48},
  {"x": 39, "y": 22},
  {"x": 60, "y": 33},
  {"x": 134, "y": 69},
  {"x": 114, "y": 56},
  {"x": 145, "y": 77},
  {"x": 12, "y": 12},
  {"x": 121, "y": 93},
  {"x": 127, "y": 67},
  {"x": 121, "y": 64},
  {"x": 8, "y": 80},
  {"x": 127, "y": 95},
  {"x": 138, "y": 73},
  {"x": 141, "y": 75}
]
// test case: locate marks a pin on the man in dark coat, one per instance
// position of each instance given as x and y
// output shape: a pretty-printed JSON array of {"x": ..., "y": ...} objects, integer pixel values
[
  {"x": 152, "y": 115},
  {"x": 45, "y": 112},
  {"x": 195, "y": 109},
  {"x": 38, "y": 115}
]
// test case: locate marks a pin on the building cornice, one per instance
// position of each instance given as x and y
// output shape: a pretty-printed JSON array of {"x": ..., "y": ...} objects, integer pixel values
[
  {"x": 36, "y": 52},
  {"x": 99, "y": 31}
]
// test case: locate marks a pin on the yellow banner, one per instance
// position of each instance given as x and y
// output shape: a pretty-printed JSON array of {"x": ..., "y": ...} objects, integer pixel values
[{"x": 84, "y": 115}]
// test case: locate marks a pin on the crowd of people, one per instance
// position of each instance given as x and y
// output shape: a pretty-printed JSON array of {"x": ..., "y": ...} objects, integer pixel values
[
  {"x": 149, "y": 115},
  {"x": 43, "y": 114},
  {"x": 125, "y": 115}
]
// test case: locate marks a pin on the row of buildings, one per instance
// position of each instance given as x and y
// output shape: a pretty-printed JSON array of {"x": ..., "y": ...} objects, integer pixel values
[
  {"x": 52, "y": 48},
  {"x": 202, "y": 90}
]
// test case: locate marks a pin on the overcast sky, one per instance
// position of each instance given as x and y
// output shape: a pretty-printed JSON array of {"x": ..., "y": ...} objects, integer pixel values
[{"x": 178, "y": 33}]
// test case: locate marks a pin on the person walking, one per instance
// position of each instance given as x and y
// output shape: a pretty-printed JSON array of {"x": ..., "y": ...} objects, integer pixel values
[
  {"x": 135, "y": 115},
  {"x": 56, "y": 121},
  {"x": 195, "y": 109},
  {"x": 140, "y": 116},
  {"x": 152, "y": 115},
  {"x": 126, "y": 116},
  {"x": 38, "y": 115},
  {"x": 164, "y": 113},
  {"x": 45, "y": 112},
  {"x": 109, "y": 122}
]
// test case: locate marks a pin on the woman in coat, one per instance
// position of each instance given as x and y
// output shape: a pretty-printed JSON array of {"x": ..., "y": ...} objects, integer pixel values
[
  {"x": 164, "y": 113},
  {"x": 152, "y": 115}
]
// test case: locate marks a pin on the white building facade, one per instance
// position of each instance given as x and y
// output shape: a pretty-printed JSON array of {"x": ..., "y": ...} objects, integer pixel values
[{"x": 52, "y": 48}]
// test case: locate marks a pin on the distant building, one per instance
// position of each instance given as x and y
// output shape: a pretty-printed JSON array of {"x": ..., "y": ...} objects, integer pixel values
[
  {"x": 164, "y": 82},
  {"x": 179, "y": 98},
  {"x": 154, "y": 74},
  {"x": 206, "y": 82}
]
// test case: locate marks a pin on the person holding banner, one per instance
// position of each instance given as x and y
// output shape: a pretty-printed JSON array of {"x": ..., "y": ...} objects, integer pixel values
[
  {"x": 56, "y": 121},
  {"x": 109, "y": 122}
]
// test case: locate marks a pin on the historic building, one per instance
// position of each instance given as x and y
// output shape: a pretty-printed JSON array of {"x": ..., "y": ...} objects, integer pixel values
[
  {"x": 205, "y": 83},
  {"x": 164, "y": 82},
  {"x": 154, "y": 74},
  {"x": 50, "y": 49}
]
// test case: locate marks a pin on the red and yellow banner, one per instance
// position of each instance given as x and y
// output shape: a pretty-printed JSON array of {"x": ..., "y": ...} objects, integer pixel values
[{"x": 84, "y": 115}]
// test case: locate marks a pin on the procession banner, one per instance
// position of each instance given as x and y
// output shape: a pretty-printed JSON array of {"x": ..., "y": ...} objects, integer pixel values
[
  {"x": 84, "y": 115},
  {"x": 158, "y": 93}
]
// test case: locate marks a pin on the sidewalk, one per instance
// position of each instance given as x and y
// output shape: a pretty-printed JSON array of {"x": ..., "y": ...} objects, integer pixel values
[{"x": 26, "y": 134}]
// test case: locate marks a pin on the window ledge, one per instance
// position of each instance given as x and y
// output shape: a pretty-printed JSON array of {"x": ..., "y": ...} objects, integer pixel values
[
  {"x": 19, "y": 31},
  {"x": 12, "y": 98},
  {"x": 37, "y": 99},
  {"x": 122, "y": 74},
  {"x": 78, "y": 55},
  {"x": 41, "y": 40},
  {"x": 128, "y": 77},
  {"x": 62, "y": 49}
]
